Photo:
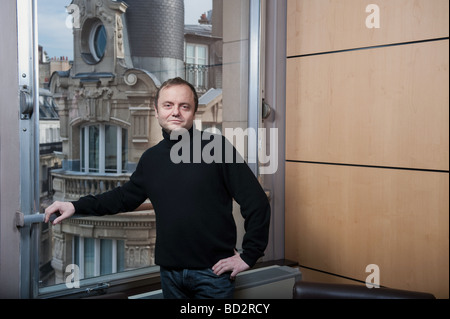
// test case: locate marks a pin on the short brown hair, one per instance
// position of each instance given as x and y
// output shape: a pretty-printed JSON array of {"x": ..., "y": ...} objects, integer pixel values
[{"x": 177, "y": 81}]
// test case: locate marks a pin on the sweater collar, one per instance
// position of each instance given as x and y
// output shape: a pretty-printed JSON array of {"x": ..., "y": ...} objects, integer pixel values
[{"x": 177, "y": 137}]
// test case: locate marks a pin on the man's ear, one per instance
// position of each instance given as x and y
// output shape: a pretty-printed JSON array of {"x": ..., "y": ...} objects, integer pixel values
[{"x": 156, "y": 111}]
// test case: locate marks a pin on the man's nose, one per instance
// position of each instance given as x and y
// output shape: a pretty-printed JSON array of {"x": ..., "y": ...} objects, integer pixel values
[{"x": 175, "y": 111}]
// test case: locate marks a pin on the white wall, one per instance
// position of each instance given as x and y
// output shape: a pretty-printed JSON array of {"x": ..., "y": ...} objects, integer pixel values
[{"x": 9, "y": 154}]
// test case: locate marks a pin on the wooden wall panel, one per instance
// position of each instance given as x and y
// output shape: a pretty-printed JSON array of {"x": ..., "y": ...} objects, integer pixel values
[
  {"x": 387, "y": 106},
  {"x": 330, "y": 25},
  {"x": 367, "y": 143},
  {"x": 340, "y": 219}
]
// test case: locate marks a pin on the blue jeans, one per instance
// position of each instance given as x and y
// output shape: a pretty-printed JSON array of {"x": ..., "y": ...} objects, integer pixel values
[{"x": 195, "y": 283}]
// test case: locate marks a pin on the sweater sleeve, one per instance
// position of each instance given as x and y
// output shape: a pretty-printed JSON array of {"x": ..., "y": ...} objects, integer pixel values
[
  {"x": 255, "y": 208},
  {"x": 125, "y": 198}
]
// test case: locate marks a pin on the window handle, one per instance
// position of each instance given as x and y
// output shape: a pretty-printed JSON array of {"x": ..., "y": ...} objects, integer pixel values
[
  {"x": 26, "y": 220},
  {"x": 99, "y": 288}
]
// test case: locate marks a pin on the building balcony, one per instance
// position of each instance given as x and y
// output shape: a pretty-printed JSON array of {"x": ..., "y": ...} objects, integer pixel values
[
  {"x": 70, "y": 185},
  {"x": 197, "y": 75},
  {"x": 134, "y": 231}
]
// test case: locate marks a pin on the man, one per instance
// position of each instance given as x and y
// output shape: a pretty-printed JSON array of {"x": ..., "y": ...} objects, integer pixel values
[{"x": 196, "y": 232}]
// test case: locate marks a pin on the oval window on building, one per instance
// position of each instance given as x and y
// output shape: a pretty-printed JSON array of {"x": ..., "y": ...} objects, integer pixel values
[
  {"x": 93, "y": 41},
  {"x": 98, "y": 41}
]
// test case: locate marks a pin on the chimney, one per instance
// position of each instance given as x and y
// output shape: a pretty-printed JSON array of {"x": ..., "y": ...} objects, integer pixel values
[{"x": 203, "y": 19}]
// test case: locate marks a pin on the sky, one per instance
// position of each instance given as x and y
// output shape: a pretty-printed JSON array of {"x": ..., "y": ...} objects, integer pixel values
[{"x": 56, "y": 38}]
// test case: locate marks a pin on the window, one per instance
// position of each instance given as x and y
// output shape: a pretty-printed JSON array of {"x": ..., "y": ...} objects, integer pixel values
[
  {"x": 97, "y": 41},
  {"x": 93, "y": 42},
  {"x": 197, "y": 65},
  {"x": 97, "y": 257},
  {"x": 95, "y": 105},
  {"x": 103, "y": 149}
]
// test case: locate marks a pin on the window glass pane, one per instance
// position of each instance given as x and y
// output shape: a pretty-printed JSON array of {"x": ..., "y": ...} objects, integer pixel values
[
  {"x": 106, "y": 256},
  {"x": 94, "y": 148},
  {"x": 111, "y": 150},
  {"x": 83, "y": 150},
  {"x": 201, "y": 55},
  {"x": 190, "y": 54},
  {"x": 100, "y": 41},
  {"x": 105, "y": 109},
  {"x": 89, "y": 257},
  {"x": 124, "y": 150},
  {"x": 76, "y": 250},
  {"x": 120, "y": 255}
]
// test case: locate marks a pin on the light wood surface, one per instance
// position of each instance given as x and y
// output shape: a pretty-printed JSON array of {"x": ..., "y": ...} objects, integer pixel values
[
  {"x": 386, "y": 107},
  {"x": 379, "y": 117},
  {"x": 330, "y": 25},
  {"x": 342, "y": 219}
]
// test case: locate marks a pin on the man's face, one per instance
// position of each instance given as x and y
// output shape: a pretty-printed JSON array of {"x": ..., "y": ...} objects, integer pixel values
[{"x": 176, "y": 108}]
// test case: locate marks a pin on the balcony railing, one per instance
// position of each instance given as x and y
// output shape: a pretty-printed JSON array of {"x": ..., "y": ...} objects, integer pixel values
[
  {"x": 50, "y": 148},
  {"x": 69, "y": 185},
  {"x": 197, "y": 75}
]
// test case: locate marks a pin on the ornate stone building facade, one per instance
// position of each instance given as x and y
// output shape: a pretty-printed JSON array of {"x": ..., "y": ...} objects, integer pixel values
[
  {"x": 102, "y": 97},
  {"x": 123, "y": 51}
]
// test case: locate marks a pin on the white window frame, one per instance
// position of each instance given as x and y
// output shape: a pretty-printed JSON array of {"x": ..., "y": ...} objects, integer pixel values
[
  {"x": 92, "y": 42},
  {"x": 84, "y": 145},
  {"x": 97, "y": 254},
  {"x": 196, "y": 56}
]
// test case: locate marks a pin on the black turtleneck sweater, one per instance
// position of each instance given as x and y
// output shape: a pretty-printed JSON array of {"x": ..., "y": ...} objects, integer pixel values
[{"x": 193, "y": 205}]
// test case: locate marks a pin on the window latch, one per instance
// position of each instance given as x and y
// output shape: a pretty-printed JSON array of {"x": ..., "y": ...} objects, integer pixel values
[
  {"x": 266, "y": 109},
  {"x": 26, "y": 103}
]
